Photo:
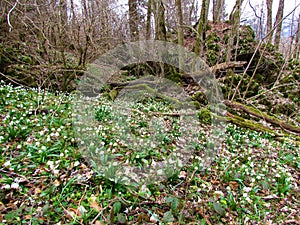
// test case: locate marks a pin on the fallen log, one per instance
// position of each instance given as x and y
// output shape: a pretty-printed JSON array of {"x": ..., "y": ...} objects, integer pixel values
[{"x": 261, "y": 115}]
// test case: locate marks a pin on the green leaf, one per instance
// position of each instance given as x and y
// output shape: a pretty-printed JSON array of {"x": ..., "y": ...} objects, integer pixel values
[
  {"x": 219, "y": 208},
  {"x": 168, "y": 217},
  {"x": 122, "y": 218},
  {"x": 117, "y": 207}
]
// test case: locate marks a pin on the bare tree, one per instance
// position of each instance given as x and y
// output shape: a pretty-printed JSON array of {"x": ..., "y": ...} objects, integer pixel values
[
  {"x": 180, "y": 31},
  {"x": 55, "y": 39},
  {"x": 159, "y": 18},
  {"x": 179, "y": 22},
  {"x": 269, "y": 19},
  {"x": 148, "y": 22},
  {"x": 278, "y": 23},
  {"x": 133, "y": 19},
  {"x": 202, "y": 26},
  {"x": 297, "y": 41},
  {"x": 235, "y": 17},
  {"x": 218, "y": 10}
]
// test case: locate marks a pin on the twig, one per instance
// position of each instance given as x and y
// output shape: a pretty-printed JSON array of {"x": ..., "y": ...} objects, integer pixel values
[
  {"x": 7, "y": 77},
  {"x": 186, "y": 195},
  {"x": 13, "y": 173},
  {"x": 8, "y": 15},
  {"x": 257, "y": 49},
  {"x": 292, "y": 221},
  {"x": 79, "y": 203}
]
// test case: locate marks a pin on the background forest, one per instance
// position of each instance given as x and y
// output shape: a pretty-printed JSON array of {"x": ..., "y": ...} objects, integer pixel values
[{"x": 46, "y": 47}]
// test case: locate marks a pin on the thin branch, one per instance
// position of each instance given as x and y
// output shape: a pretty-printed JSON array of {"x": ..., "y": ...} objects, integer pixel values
[
  {"x": 7, "y": 77},
  {"x": 257, "y": 48},
  {"x": 8, "y": 15}
]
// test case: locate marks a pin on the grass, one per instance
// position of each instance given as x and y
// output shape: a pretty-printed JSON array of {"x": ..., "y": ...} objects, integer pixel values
[{"x": 46, "y": 180}]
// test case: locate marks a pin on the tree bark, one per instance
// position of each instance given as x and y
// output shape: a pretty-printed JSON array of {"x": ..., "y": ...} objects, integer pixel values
[
  {"x": 133, "y": 20},
  {"x": 297, "y": 41},
  {"x": 202, "y": 26},
  {"x": 179, "y": 22},
  {"x": 278, "y": 21},
  {"x": 269, "y": 19},
  {"x": 218, "y": 6},
  {"x": 179, "y": 31},
  {"x": 235, "y": 18},
  {"x": 159, "y": 17},
  {"x": 148, "y": 23}
]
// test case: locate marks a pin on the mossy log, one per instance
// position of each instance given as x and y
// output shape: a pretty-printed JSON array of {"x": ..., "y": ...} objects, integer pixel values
[{"x": 261, "y": 115}]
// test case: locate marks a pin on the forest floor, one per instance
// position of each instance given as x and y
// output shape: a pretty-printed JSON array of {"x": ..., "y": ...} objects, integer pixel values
[{"x": 44, "y": 179}]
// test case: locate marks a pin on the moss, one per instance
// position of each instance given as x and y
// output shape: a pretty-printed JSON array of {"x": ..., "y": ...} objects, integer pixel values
[
  {"x": 247, "y": 33},
  {"x": 205, "y": 116},
  {"x": 200, "y": 97},
  {"x": 174, "y": 76},
  {"x": 113, "y": 94}
]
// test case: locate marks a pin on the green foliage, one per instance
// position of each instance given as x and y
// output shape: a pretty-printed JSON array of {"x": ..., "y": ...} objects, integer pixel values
[
  {"x": 41, "y": 165},
  {"x": 205, "y": 116}
]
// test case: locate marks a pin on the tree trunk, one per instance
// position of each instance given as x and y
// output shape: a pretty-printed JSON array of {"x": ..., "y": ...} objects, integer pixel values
[
  {"x": 133, "y": 20},
  {"x": 202, "y": 26},
  {"x": 179, "y": 31},
  {"x": 278, "y": 21},
  {"x": 269, "y": 19},
  {"x": 148, "y": 24},
  {"x": 235, "y": 17},
  {"x": 218, "y": 6},
  {"x": 179, "y": 22},
  {"x": 297, "y": 41},
  {"x": 159, "y": 17}
]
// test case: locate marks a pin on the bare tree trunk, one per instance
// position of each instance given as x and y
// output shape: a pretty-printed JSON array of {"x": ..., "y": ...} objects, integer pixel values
[
  {"x": 269, "y": 19},
  {"x": 148, "y": 22},
  {"x": 180, "y": 22},
  {"x": 133, "y": 20},
  {"x": 218, "y": 6},
  {"x": 235, "y": 17},
  {"x": 278, "y": 21},
  {"x": 159, "y": 17},
  {"x": 202, "y": 26},
  {"x": 297, "y": 41},
  {"x": 180, "y": 31}
]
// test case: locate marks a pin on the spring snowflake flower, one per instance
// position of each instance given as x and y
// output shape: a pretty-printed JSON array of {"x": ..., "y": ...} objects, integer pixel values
[
  {"x": 15, "y": 186},
  {"x": 6, "y": 164}
]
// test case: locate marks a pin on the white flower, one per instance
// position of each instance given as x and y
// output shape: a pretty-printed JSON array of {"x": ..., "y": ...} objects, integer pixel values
[
  {"x": 43, "y": 148},
  {"x": 50, "y": 163},
  {"x": 247, "y": 189},
  {"x": 55, "y": 172},
  {"x": 76, "y": 163},
  {"x": 14, "y": 186},
  {"x": 6, "y": 186},
  {"x": 19, "y": 146},
  {"x": 6, "y": 164}
]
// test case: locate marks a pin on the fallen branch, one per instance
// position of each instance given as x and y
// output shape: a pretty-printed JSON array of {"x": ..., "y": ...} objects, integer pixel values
[{"x": 227, "y": 65}]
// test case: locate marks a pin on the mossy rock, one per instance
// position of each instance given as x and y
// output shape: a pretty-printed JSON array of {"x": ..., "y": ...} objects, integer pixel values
[
  {"x": 175, "y": 77},
  {"x": 205, "y": 116},
  {"x": 247, "y": 33},
  {"x": 200, "y": 97}
]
